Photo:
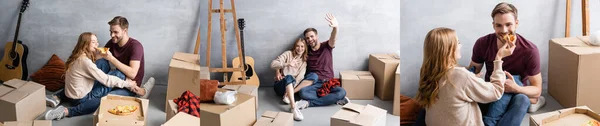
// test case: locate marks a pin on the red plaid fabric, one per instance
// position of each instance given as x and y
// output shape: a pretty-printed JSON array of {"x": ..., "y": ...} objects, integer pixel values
[
  {"x": 188, "y": 103},
  {"x": 327, "y": 86}
]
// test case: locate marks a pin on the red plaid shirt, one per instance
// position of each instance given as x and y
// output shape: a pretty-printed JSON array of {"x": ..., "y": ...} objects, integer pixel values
[
  {"x": 188, "y": 103},
  {"x": 327, "y": 86}
]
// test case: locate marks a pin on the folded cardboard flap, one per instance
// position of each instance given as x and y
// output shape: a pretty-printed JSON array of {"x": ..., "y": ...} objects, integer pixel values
[
  {"x": 361, "y": 115},
  {"x": 15, "y": 90},
  {"x": 269, "y": 114},
  {"x": 183, "y": 119},
  {"x": 186, "y": 57},
  {"x": 218, "y": 109}
]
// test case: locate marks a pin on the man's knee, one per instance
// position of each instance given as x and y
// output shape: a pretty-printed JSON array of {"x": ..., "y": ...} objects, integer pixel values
[{"x": 521, "y": 100}]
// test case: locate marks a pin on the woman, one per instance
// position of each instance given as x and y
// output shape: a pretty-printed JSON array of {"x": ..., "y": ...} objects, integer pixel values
[
  {"x": 450, "y": 93},
  {"x": 85, "y": 83},
  {"x": 289, "y": 71}
]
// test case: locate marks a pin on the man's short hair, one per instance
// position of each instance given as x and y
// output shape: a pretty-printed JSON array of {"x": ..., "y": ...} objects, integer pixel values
[
  {"x": 120, "y": 21},
  {"x": 504, "y": 8},
  {"x": 309, "y": 30}
]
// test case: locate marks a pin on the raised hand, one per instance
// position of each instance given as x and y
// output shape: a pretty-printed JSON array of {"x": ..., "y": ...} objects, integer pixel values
[{"x": 332, "y": 21}]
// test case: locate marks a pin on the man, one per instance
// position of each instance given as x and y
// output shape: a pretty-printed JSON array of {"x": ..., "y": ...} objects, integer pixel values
[
  {"x": 320, "y": 71},
  {"x": 523, "y": 64},
  {"x": 127, "y": 55}
]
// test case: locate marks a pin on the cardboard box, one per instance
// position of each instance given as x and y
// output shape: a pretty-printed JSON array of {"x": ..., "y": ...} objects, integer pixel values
[
  {"x": 270, "y": 118},
  {"x": 29, "y": 123},
  {"x": 245, "y": 89},
  {"x": 183, "y": 119},
  {"x": 359, "y": 115},
  {"x": 172, "y": 109},
  {"x": 359, "y": 85},
  {"x": 383, "y": 67},
  {"x": 185, "y": 74},
  {"x": 95, "y": 118},
  {"x": 21, "y": 100},
  {"x": 565, "y": 117},
  {"x": 137, "y": 118},
  {"x": 241, "y": 113},
  {"x": 396, "y": 110},
  {"x": 572, "y": 72}
]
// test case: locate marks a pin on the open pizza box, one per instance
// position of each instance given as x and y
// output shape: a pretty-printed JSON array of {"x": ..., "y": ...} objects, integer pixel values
[
  {"x": 575, "y": 116},
  {"x": 136, "y": 118}
]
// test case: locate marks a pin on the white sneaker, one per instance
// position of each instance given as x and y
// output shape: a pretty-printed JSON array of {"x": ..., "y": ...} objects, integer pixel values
[
  {"x": 534, "y": 107},
  {"x": 297, "y": 114},
  {"x": 286, "y": 100},
  {"x": 52, "y": 101},
  {"x": 302, "y": 104},
  {"x": 148, "y": 87},
  {"x": 344, "y": 101}
]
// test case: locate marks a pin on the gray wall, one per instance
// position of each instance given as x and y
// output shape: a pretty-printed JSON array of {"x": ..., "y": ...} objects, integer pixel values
[
  {"x": 539, "y": 21},
  {"x": 273, "y": 25},
  {"x": 52, "y": 27}
]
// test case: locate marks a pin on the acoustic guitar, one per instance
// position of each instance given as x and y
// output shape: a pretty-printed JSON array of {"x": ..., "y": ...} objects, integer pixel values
[
  {"x": 247, "y": 61},
  {"x": 13, "y": 64}
]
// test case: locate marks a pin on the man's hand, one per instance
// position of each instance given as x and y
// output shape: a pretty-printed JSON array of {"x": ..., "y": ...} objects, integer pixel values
[
  {"x": 108, "y": 55},
  {"x": 510, "y": 86},
  {"x": 278, "y": 76},
  {"x": 332, "y": 21}
]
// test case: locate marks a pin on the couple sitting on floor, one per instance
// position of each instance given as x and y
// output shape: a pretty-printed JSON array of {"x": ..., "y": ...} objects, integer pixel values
[
  {"x": 317, "y": 87},
  {"x": 89, "y": 77},
  {"x": 452, "y": 95}
]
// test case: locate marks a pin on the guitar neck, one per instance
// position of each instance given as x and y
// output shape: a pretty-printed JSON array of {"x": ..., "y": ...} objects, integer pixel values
[{"x": 17, "y": 32}]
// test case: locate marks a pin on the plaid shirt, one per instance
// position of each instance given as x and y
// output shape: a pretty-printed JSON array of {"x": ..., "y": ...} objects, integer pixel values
[
  {"x": 188, "y": 103},
  {"x": 327, "y": 86}
]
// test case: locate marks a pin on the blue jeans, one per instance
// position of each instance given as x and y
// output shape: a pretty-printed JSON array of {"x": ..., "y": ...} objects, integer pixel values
[
  {"x": 280, "y": 86},
  {"x": 509, "y": 110},
  {"x": 104, "y": 65},
  {"x": 309, "y": 93}
]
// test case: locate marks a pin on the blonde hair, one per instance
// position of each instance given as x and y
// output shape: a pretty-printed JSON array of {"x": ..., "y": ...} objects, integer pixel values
[
  {"x": 439, "y": 56},
  {"x": 82, "y": 47},
  {"x": 304, "y": 54}
]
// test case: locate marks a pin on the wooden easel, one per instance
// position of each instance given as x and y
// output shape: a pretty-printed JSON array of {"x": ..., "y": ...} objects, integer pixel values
[
  {"x": 224, "y": 69},
  {"x": 585, "y": 18}
]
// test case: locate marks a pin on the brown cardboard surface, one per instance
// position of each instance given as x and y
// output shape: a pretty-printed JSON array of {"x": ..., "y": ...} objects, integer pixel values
[
  {"x": 137, "y": 118},
  {"x": 29, "y": 123},
  {"x": 572, "y": 69},
  {"x": 569, "y": 116},
  {"x": 171, "y": 110},
  {"x": 383, "y": 67},
  {"x": 184, "y": 74},
  {"x": 396, "y": 110},
  {"x": 242, "y": 110},
  {"x": 359, "y": 85},
  {"x": 359, "y": 115},
  {"x": 183, "y": 119},
  {"x": 271, "y": 118},
  {"x": 246, "y": 89},
  {"x": 95, "y": 117},
  {"x": 21, "y": 100}
]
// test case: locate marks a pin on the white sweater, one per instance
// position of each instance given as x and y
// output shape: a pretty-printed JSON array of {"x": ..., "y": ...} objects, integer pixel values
[{"x": 79, "y": 79}]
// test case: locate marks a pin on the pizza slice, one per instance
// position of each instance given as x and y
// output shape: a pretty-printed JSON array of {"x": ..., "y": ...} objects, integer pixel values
[
  {"x": 103, "y": 50},
  {"x": 123, "y": 110},
  {"x": 591, "y": 123}
]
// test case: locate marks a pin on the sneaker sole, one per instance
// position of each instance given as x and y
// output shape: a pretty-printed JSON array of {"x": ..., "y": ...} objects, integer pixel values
[
  {"x": 46, "y": 115},
  {"x": 51, "y": 103}
]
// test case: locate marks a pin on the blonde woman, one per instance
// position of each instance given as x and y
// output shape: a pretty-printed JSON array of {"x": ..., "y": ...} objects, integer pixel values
[
  {"x": 85, "y": 83},
  {"x": 450, "y": 93},
  {"x": 290, "y": 68}
]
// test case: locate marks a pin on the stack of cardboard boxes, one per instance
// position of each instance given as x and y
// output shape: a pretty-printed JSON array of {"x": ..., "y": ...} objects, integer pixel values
[
  {"x": 573, "y": 79},
  {"x": 21, "y": 101}
]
